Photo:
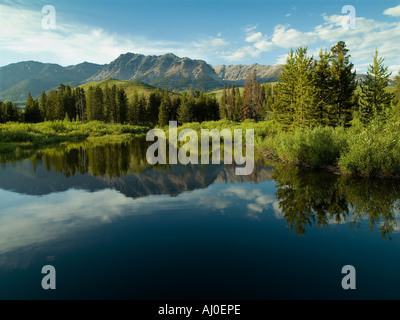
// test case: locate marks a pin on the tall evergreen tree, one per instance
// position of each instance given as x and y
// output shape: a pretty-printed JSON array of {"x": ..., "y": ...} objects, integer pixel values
[
  {"x": 115, "y": 111},
  {"x": 247, "y": 110},
  {"x": 122, "y": 105},
  {"x": 109, "y": 101},
  {"x": 175, "y": 104},
  {"x": 295, "y": 91},
  {"x": 80, "y": 103},
  {"x": 375, "y": 100},
  {"x": 153, "y": 107},
  {"x": 185, "y": 110},
  {"x": 343, "y": 85},
  {"x": 60, "y": 103},
  {"x": 396, "y": 99},
  {"x": 323, "y": 86},
  {"x": 69, "y": 104},
  {"x": 95, "y": 104},
  {"x": 32, "y": 111},
  {"x": 222, "y": 106},
  {"x": 238, "y": 105},
  {"x": 284, "y": 105},
  {"x": 304, "y": 99},
  {"x": 133, "y": 111},
  {"x": 43, "y": 105},
  {"x": 52, "y": 101},
  {"x": 163, "y": 115}
]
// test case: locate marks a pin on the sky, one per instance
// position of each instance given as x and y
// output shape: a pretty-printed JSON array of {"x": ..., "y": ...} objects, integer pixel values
[{"x": 217, "y": 31}]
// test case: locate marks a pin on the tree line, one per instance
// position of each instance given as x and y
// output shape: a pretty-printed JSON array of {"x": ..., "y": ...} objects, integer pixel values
[
  {"x": 111, "y": 105},
  {"x": 323, "y": 92},
  {"x": 254, "y": 103}
]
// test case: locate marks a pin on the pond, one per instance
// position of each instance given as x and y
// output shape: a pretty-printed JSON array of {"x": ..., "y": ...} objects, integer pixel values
[{"x": 115, "y": 227}]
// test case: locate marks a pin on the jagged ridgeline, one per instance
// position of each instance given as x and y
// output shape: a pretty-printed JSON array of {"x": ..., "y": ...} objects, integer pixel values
[{"x": 165, "y": 72}]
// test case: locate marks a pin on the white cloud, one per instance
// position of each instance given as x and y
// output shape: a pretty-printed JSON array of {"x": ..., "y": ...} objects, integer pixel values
[
  {"x": 249, "y": 28},
  {"x": 394, "y": 12},
  {"x": 361, "y": 41},
  {"x": 286, "y": 37},
  {"x": 254, "y": 37},
  {"x": 212, "y": 44},
  {"x": 22, "y": 38},
  {"x": 242, "y": 53}
]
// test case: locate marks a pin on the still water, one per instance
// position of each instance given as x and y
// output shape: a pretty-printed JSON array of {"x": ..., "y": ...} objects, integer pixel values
[{"x": 116, "y": 228}]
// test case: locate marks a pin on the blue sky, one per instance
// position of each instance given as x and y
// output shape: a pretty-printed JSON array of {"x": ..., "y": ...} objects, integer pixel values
[{"x": 218, "y": 31}]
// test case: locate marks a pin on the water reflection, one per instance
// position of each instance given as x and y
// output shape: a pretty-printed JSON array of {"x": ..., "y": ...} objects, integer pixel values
[
  {"x": 303, "y": 198},
  {"x": 111, "y": 159},
  {"x": 307, "y": 198}
]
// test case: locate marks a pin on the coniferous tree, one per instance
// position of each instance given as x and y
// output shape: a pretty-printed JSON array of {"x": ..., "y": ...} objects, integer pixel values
[
  {"x": 43, "y": 105},
  {"x": 11, "y": 111},
  {"x": 175, "y": 104},
  {"x": 396, "y": 98},
  {"x": 246, "y": 111},
  {"x": 375, "y": 100},
  {"x": 109, "y": 101},
  {"x": 284, "y": 105},
  {"x": 343, "y": 85},
  {"x": 8, "y": 112},
  {"x": 222, "y": 105},
  {"x": 32, "y": 111},
  {"x": 69, "y": 103},
  {"x": 153, "y": 106},
  {"x": 115, "y": 112},
  {"x": 304, "y": 92},
  {"x": 142, "y": 114},
  {"x": 95, "y": 104},
  {"x": 185, "y": 110},
  {"x": 238, "y": 105},
  {"x": 163, "y": 115},
  {"x": 122, "y": 105},
  {"x": 133, "y": 111},
  {"x": 212, "y": 108},
  {"x": 60, "y": 103},
  {"x": 80, "y": 103},
  {"x": 89, "y": 103},
  {"x": 323, "y": 86},
  {"x": 98, "y": 105},
  {"x": 52, "y": 101}
]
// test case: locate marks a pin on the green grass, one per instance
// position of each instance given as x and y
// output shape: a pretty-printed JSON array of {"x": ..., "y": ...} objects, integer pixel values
[
  {"x": 17, "y": 137},
  {"x": 368, "y": 151},
  {"x": 373, "y": 150}
]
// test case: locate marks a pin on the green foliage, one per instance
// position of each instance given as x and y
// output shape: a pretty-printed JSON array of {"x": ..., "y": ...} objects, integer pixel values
[
  {"x": 374, "y": 150},
  {"x": 38, "y": 135},
  {"x": 375, "y": 100},
  {"x": 32, "y": 111},
  {"x": 320, "y": 146},
  {"x": 312, "y": 93}
]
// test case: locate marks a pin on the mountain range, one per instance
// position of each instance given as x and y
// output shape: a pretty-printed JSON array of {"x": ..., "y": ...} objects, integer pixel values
[{"x": 166, "y": 71}]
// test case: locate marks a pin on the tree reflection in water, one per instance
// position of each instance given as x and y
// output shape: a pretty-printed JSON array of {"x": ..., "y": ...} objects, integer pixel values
[
  {"x": 305, "y": 197},
  {"x": 308, "y": 197}
]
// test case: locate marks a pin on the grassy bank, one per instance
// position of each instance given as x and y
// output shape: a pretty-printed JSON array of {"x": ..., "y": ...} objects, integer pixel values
[
  {"x": 18, "y": 138},
  {"x": 373, "y": 150}
]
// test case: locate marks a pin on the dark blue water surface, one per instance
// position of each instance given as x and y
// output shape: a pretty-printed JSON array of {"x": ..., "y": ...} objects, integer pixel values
[{"x": 116, "y": 228}]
